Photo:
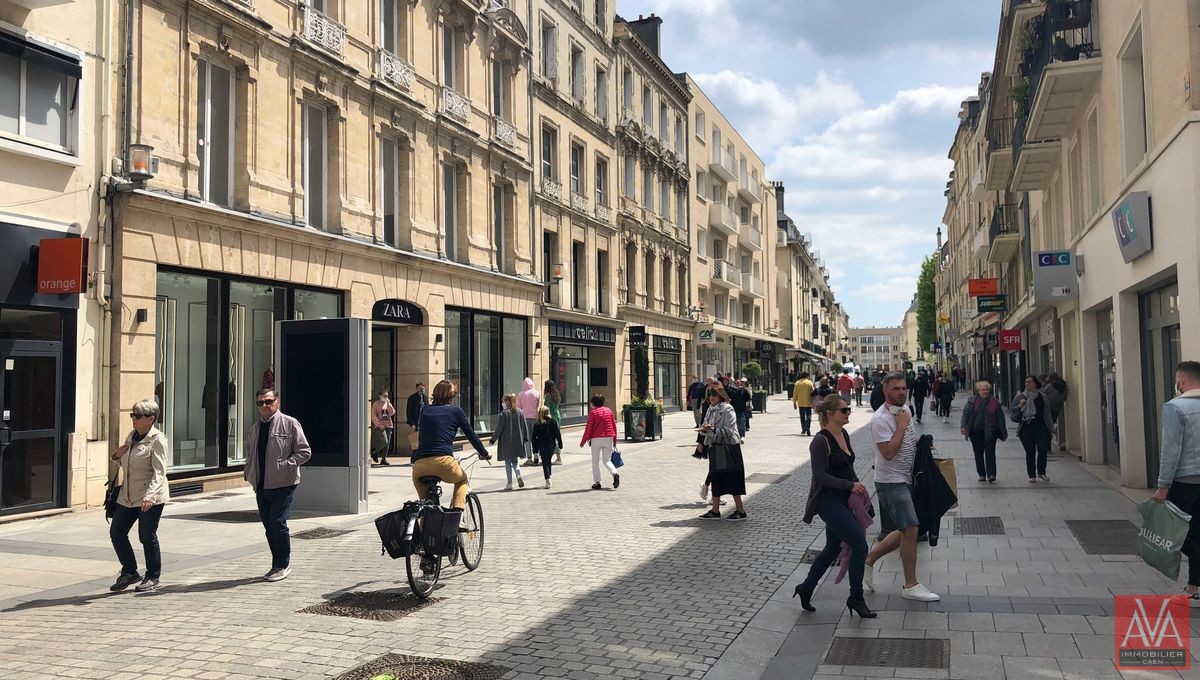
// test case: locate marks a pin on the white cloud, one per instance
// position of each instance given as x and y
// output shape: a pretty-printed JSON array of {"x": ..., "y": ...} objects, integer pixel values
[
  {"x": 896, "y": 289},
  {"x": 769, "y": 115}
]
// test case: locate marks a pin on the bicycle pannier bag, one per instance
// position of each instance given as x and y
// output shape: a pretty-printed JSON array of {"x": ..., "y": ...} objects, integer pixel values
[
  {"x": 397, "y": 529},
  {"x": 439, "y": 534}
]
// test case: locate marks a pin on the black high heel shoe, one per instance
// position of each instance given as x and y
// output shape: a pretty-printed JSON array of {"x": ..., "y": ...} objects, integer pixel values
[
  {"x": 857, "y": 605},
  {"x": 805, "y": 597}
]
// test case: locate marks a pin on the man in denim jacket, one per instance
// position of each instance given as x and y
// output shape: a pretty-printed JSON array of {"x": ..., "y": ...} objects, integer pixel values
[{"x": 1179, "y": 466}]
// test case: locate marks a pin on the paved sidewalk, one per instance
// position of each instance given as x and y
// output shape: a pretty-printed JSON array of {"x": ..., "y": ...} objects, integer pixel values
[
  {"x": 1030, "y": 603},
  {"x": 574, "y": 583}
]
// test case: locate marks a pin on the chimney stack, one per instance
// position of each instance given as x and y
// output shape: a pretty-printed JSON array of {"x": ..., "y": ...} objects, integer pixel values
[
  {"x": 647, "y": 29},
  {"x": 778, "y": 186}
]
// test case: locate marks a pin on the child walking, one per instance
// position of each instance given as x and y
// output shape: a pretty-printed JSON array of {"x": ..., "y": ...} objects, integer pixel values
[{"x": 546, "y": 438}]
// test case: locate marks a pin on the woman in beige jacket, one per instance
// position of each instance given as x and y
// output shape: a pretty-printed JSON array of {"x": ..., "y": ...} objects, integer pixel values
[{"x": 143, "y": 495}]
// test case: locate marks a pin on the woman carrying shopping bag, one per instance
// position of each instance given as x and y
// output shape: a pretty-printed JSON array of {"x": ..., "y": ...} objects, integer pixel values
[
  {"x": 513, "y": 435},
  {"x": 601, "y": 433},
  {"x": 723, "y": 448}
]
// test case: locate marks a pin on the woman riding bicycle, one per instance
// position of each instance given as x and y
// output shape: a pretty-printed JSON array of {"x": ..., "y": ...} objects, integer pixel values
[{"x": 434, "y": 455}]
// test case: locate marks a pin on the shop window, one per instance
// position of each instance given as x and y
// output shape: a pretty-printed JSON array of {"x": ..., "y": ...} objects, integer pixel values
[
  {"x": 316, "y": 166},
  {"x": 214, "y": 131},
  {"x": 39, "y": 94},
  {"x": 486, "y": 359},
  {"x": 666, "y": 380},
  {"x": 569, "y": 369}
]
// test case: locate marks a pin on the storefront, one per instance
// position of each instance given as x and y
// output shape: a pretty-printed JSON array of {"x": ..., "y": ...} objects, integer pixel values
[
  {"x": 668, "y": 388},
  {"x": 37, "y": 365},
  {"x": 1161, "y": 340},
  {"x": 581, "y": 361},
  {"x": 487, "y": 358},
  {"x": 214, "y": 348}
]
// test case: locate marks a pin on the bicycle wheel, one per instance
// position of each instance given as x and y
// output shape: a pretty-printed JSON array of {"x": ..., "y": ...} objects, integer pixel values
[
  {"x": 470, "y": 540},
  {"x": 423, "y": 572}
]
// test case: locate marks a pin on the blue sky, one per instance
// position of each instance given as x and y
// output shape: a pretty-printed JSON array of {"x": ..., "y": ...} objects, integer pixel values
[{"x": 853, "y": 105}]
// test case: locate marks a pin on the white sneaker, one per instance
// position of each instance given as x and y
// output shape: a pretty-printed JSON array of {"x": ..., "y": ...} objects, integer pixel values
[
  {"x": 704, "y": 492},
  {"x": 278, "y": 574},
  {"x": 508, "y": 487},
  {"x": 919, "y": 593},
  {"x": 547, "y": 483},
  {"x": 868, "y": 578}
]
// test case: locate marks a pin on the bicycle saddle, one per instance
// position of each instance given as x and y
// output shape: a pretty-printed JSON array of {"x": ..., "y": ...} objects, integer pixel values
[{"x": 429, "y": 479}]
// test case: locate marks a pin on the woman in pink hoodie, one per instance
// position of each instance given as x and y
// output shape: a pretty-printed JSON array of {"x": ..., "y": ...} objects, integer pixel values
[{"x": 528, "y": 401}]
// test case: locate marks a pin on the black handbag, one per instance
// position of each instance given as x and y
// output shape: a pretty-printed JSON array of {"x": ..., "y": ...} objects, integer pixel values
[
  {"x": 112, "y": 491},
  {"x": 718, "y": 457}
]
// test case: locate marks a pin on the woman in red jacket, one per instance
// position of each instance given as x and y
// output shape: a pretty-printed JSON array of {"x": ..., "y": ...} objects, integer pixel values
[{"x": 601, "y": 433}]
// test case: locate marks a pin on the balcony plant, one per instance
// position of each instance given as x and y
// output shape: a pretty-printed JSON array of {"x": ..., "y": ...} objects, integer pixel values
[{"x": 1020, "y": 95}]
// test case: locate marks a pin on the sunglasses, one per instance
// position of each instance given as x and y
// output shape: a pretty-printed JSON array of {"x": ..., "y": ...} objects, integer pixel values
[
  {"x": 846, "y": 410},
  {"x": 137, "y": 416},
  {"x": 265, "y": 402}
]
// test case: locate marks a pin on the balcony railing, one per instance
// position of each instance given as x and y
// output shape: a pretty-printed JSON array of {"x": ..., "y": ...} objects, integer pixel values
[
  {"x": 721, "y": 164},
  {"x": 395, "y": 70},
  {"x": 1062, "y": 34},
  {"x": 753, "y": 284},
  {"x": 1004, "y": 221},
  {"x": 722, "y": 217},
  {"x": 454, "y": 104},
  {"x": 505, "y": 133},
  {"x": 579, "y": 202},
  {"x": 320, "y": 30},
  {"x": 552, "y": 188},
  {"x": 1000, "y": 133},
  {"x": 727, "y": 272},
  {"x": 751, "y": 235}
]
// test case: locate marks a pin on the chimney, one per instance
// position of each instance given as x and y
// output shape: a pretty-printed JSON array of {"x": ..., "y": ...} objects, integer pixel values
[
  {"x": 647, "y": 29},
  {"x": 778, "y": 186}
]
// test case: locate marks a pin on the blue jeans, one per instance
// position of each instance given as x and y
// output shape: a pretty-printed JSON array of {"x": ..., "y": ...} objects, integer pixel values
[
  {"x": 122, "y": 521},
  {"x": 274, "y": 508},
  {"x": 895, "y": 499},
  {"x": 510, "y": 466},
  {"x": 743, "y": 423},
  {"x": 840, "y": 527}
]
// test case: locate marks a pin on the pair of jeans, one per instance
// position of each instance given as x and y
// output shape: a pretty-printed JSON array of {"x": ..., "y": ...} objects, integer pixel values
[
  {"x": 1036, "y": 441},
  {"x": 511, "y": 466},
  {"x": 985, "y": 454},
  {"x": 602, "y": 452},
  {"x": 1186, "y": 497},
  {"x": 122, "y": 521},
  {"x": 743, "y": 423},
  {"x": 806, "y": 420},
  {"x": 944, "y": 407},
  {"x": 274, "y": 509},
  {"x": 840, "y": 527}
]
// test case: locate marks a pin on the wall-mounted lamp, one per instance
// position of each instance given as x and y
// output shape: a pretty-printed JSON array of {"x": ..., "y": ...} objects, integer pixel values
[
  {"x": 537, "y": 346},
  {"x": 142, "y": 315},
  {"x": 556, "y": 273},
  {"x": 437, "y": 339},
  {"x": 142, "y": 163}
]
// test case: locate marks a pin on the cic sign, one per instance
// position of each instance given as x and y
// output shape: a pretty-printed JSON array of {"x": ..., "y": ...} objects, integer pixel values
[{"x": 1054, "y": 277}]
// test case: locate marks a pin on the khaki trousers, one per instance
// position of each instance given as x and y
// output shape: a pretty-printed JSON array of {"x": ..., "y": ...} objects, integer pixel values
[{"x": 445, "y": 468}]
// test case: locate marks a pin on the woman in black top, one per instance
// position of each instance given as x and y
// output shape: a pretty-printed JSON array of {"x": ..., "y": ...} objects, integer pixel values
[{"x": 833, "y": 482}]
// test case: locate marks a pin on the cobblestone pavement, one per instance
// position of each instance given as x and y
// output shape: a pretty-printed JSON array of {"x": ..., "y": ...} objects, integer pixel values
[
  {"x": 1029, "y": 603},
  {"x": 574, "y": 583}
]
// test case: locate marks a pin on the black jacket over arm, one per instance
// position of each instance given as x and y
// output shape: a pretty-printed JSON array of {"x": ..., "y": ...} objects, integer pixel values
[{"x": 932, "y": 494}]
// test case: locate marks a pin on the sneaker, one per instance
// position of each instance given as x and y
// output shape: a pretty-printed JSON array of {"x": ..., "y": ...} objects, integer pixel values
[
  {"x": 616, "y": 481},
  {"x": 384, "y": 462},
  {"x": 520, "y": 481},
  {"x": 703, "y": 493},
  {"x": 508, "y": 487},
  {"x": 919, "y": 593},
  {"x": 736, "y": 516},
  {"x": 1033, "y": 480},
  {"x": 278, "y": 574},
  {"x": 124, "y": 581},
  {"x": 711, "y": 514},
  {"x": 547, "y": 483},
  {"x": 1043, "y": 479},
  {"x": 868, "y": 578},
  {"x": 983, "y": 479},
  {"x": 596, "y": 486},
  {"x": 147, "y": 584}
]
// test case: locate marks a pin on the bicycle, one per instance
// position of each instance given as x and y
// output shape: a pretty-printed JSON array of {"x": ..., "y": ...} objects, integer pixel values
[{"x": 424, "y": 564}]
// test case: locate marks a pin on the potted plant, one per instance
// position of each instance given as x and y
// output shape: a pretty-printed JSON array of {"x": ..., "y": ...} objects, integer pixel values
[
  {"x": 643, "y": 419},
  {"x": 1020, "y": 95},
  {"x": 752, "y": 371}
]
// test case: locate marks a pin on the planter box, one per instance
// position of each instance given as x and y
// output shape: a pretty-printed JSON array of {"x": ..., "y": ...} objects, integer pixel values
[
  {"x": 758, "y": 401},
  {"x": 642, "y": 424}
]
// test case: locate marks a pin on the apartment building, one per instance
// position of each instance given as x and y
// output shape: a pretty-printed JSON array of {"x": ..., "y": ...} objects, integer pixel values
[
  {"x": 652, "y": 213},
  {"x": 575, "y": 126},
  {"x": 56, "y": 88},
  {"x": 797, "y": 295},
  {"x": 321, "y": 160},
  {"x": 733, "y": 264},
  {"x": 877, "y": 348},
  {"x": 1092, "y": 161}
]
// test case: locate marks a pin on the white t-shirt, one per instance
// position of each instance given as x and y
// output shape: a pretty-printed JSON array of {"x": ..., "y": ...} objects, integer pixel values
[{"x": 898, "y": 469}]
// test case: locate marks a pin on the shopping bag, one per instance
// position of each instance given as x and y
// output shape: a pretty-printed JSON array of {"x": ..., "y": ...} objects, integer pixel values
[
  {"x": 617, "y": 461},
  {"x": 1164, "y": 528},
  {"x": 946, "y": 467}
]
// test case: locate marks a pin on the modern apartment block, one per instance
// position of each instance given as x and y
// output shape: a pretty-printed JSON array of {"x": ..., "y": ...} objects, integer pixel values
[
  {"x": 878, "y": 348},
  {"x": 1082, "y": 164}
]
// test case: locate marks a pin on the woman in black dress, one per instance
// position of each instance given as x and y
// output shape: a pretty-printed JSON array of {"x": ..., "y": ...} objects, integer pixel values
[{"x": 723, "y": 448}]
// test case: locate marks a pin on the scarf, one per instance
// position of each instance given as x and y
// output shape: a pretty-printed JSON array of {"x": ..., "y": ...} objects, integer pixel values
[{"x": 1029, "y": 410}]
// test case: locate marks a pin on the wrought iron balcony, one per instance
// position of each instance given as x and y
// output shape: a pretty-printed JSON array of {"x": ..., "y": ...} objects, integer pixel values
[
  {"x": 552, "y": 189},
  {"x": 603, "y": 213},
  {"x": 579, "y": 202},
  {"x": 395, "y": 70},
  {"x": 1004, "y": 233},
  {"x": 455, "y": 105},
  {"x": 320, "y": 30},
  {"x": 504, "y": 132}
]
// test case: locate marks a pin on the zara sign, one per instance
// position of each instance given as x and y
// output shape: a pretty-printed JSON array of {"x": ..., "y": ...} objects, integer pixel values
[{"x": 397, "y": 311}]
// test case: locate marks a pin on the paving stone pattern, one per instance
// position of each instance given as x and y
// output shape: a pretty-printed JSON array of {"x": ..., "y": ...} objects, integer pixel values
[{"x": 574, "y": 583}]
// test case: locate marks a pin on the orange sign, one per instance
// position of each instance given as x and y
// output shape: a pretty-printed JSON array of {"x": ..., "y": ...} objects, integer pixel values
[
  {"x": 977, "y": 287},
  {"x": 62, "y": 266}
]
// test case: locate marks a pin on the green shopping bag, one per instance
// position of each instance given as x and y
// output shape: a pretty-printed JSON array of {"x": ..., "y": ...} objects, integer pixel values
[{"x": 1164, "y": 528}]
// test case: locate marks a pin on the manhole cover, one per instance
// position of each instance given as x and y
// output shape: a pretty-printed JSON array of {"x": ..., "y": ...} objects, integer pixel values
[
  {"x": 402, "y": 666},
  {"x": 764, "y": 478},
  {"x": 889, "y": 652},
  {"x": 320, "y": 532},
  {"x": 229, "y": 516},
  {"x": 1105, "y": 536},
  {"x": 386, "y": 605},
  {"x": 978, "y": 526}
]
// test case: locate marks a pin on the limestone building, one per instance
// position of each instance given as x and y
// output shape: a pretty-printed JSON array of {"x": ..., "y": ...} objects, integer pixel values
[{"x": 878, "y": 348}]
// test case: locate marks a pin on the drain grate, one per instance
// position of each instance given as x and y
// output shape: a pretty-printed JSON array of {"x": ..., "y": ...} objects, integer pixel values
[
  {"x": 320, "y": 532},
  {"x": 810, "y": 556},
  {"x": 978, "y": 526},
  {"x": 764, "y": 478},
  {"x": 1105, "y": 536},
  {"x": 229, "y": 516},
  {"x": 386, "y": 605},
  {"x": 402, "y": 666},
  {"x": 889, "y": 652}
]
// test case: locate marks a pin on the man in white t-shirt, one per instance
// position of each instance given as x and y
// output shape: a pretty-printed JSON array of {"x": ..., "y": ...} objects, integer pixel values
[{"x": 895, "y": 435}]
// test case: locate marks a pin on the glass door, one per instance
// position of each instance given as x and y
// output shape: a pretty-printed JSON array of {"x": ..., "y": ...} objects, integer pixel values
[
  {"x": 29, "y": 427},
  {"x": 1161, "y": 353}
]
